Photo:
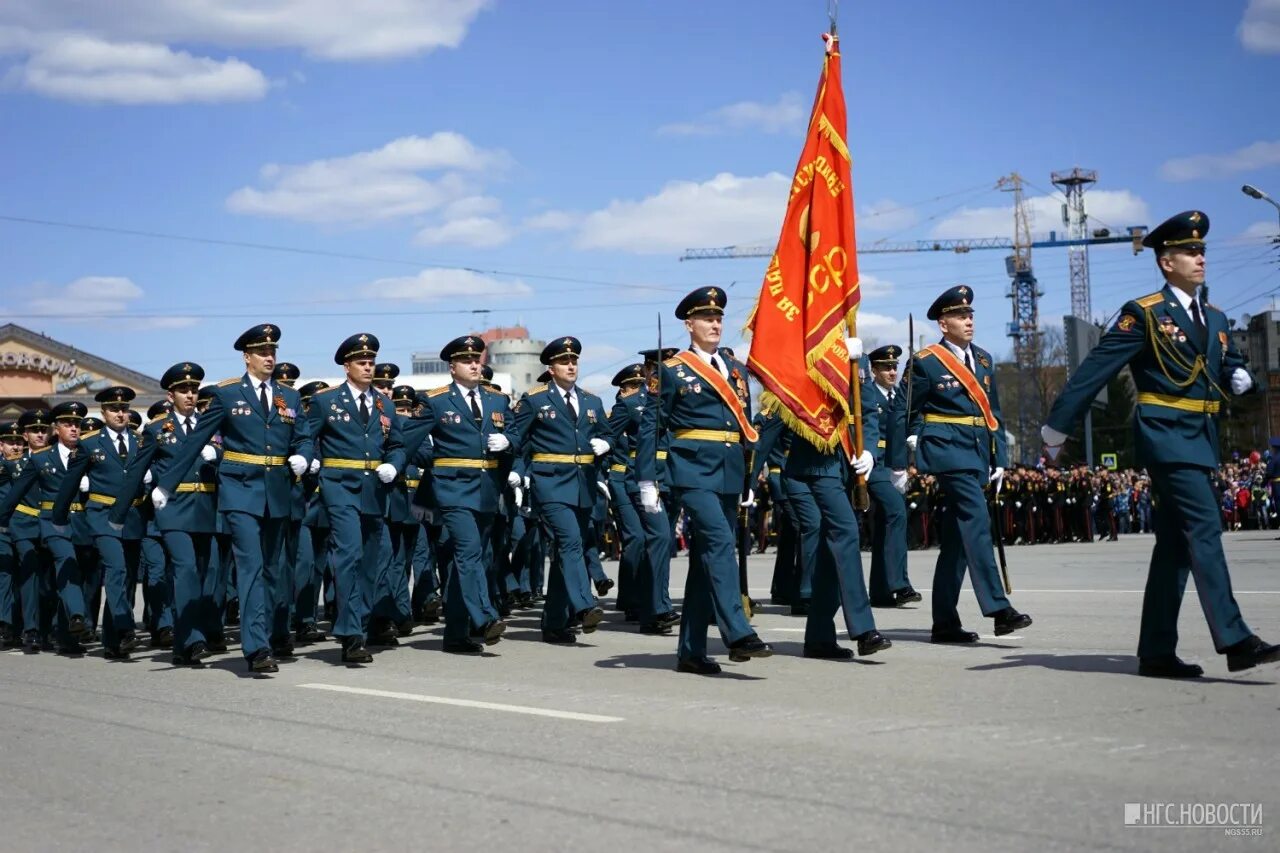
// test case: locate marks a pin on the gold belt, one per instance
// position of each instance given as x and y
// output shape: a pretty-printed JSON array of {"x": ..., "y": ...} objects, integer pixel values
[
  {"x": 662, "y": 454},
  {"x": 775, "y": 469},
  {"x": 708, "y": 435},
  {"x": 1202, "y": 407},
  {"x": 618, "y": 469},
  {"x": 351, "y": 464},
  {"x": 413, "y": 484},
  {"x": 202, "y": 488},
  {"x": 956, "y": 420},
  {"x": 29, "y": 510},
  {"x": 252, "y": 459},
  {"x": 566, "y": 458},
  {"x": 487, "y": 464},
  {"x": 105, "y": 500},
  {"x": 49, "y": 505},
  {"x": 880, "y": 443}
]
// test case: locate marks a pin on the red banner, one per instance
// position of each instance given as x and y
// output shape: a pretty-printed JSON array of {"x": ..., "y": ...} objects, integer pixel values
[{"x": 810, "y": 291}]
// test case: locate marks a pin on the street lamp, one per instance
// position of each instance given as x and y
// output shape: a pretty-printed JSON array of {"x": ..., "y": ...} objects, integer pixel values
[{"x": 1254, "y": 192}]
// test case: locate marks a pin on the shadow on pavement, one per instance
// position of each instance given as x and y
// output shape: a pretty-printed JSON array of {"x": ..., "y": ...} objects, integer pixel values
[
  {"x": 666, "y": 662},
  {"x": 1108, "y": 664}
]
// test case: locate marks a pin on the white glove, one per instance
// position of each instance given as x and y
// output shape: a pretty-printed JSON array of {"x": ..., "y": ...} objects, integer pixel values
[
  {"x": 750, "y": 500},
  {"x": 497, "y": 442},
  {"x": 513, "y": 479},
  {"x": 146, "y": 477},
  {"x": 898, "y": 479},
  {"x": 314, "y": 466},
  {"x": 116, "y": 527},
  {"x": 209, "y": 453},
  {"x": 386, "y": 472},
  {"x": 912, "y": 440},
  {"x": 159, "y": 497},
  {"x": 1241, "y": 381},
  {"x": 912, "y": 505},
  {"x": 599, "y": 446},
  {"x": 997, "y": 477},
  {"x": 1017, "y": 504},
  {"x": 517, "y": 495},
  {"x": 864, "y": 463},
  {"x": 604, "y": 488},
  {"x": 84, "y": 484},
  {"x": 649, "y": 496},
  {"x": 526, "y": 482},
  {"x": 854, "y": 346},
  {"x": 297, "y": 465}
]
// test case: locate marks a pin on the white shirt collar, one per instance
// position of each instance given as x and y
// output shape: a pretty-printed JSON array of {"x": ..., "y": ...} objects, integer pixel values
[
  {"x": 959, "y": 351},
  {"x": 883, "y": 390},
  {"x": 1184, "y": 298},
  {"x": 356, "y": 393},
  {"x": 64, "y": 453},
  {"x": 254, "y": 382},
  {"x": 706, "y": 356},
  {"x": 465, "y": 393},
  {"x": 114, "y": 434},
  {"x": 571, "y": 391}
]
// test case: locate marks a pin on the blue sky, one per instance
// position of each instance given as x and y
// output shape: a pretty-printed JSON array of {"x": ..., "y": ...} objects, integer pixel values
[{"x": 547, "y": 162}]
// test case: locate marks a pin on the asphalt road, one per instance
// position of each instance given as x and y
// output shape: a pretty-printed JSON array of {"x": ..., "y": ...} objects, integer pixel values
[{"x": 1030, "y": 742}]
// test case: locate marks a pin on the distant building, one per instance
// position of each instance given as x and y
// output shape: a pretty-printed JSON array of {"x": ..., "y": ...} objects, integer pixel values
[{"x": 513, "y": 355}]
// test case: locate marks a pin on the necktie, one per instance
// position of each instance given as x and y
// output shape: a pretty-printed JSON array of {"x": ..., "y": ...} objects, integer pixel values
[
  {"x": 475, "y": 407},
  {"x": 568, "y": 403},
  {"x": 121, "y": 446},
  {"x": 1195, "y": 315},
  {"x": 891, "y": 396},
  {"x": 715, "y": 364},
  {"x": 364, "y": 409},
  {"x": 262, "y": 398},
  {"x": 186, "y": 426},
  {"x": 967, "y": 362}
]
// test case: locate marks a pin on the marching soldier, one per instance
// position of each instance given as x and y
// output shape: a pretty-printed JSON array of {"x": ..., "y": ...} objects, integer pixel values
[
  {"x": 708, "y": 419},
  {"x": 31, "y": 561},
  {"x": 467, "y": 426},
  {"x": 955, "y": 427},
  {"x": 890, "y": 586},
  {"x": 263, "y": 440},
  {"x": 561, "y": 431},
  {"x": 1179, "y": 351},
  {"x": 385, "y": 374},
  {"x": 313, "y": 545},
  {"x": 629, "y": 380},
  {"x": 286, "y": 373},
  {"x": 405, "y": 530},
  {"x": 12, "y": 446}
]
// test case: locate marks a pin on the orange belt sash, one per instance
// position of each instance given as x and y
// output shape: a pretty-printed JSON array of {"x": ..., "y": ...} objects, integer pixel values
[
  {"x": 721, "y": 386},
  {"x": 967, "y": 379}
]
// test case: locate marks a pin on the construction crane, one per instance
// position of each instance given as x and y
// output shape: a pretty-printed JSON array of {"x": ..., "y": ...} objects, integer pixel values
[
  {"x": 1100, "y": 237},
  {"x": 1073, "y": 185}
]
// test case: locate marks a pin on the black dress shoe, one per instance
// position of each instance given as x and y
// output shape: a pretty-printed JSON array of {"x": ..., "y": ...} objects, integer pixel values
[
  {"x": 800, "y": 608},
  {"x": 1250, "y": 652},
  {"x": 749, "y": 647},
  {"x": 263, "y": 662},
  {"x": 354, "y": 651},
  {"x": 130, "y": 641},
  {"x": 308, "y": 633},
  {"x": 631, "y": 616},
  {"x": 180, "y": 659},
  {"x": 828, "y": 652},
  {"x": 384, "y": 638},
  {"x": 492, "y": 632},
  {"x": 217, "y": 644},
  {"x": 884, "y": 602},
  {"x": 560, "y": 637},
  {"x": 283, "y": 650},
  {"x": 906, "y": 596},
  {"x": 115, "y": 654},
  {"x": 603, "y": 587},
  {"x": 872, "y": 642},
  {"x": 405, "y": 628},
  {"x": 162, "y": 639},
  {"x": 1009, "y": 620},
  {"x": 590, "y": 618},
  {"x": 954, "y": 635},
  {"x": 31, "y": 643},
  {"x": 671, "y": 617},
  {"x": 698, "y": 666},
  {"x": 1168, "y": 666},
  {"x": 463, "y": 647},
  {"x": 77, "y": 627},
  {"x": 198, "y": 651},
  {"x": 71, "y": 650},
  {"x": 655, "y": 629}
]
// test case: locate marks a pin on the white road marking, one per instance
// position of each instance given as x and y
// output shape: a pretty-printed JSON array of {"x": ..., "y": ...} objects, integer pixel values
[{"x": 466, "y": 703}]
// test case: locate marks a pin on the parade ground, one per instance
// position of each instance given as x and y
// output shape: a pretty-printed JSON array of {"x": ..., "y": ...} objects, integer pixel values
[{"x": 1035, "y": 741}]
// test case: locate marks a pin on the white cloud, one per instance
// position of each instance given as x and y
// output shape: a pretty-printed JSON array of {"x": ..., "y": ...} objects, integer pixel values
[
  {"x": 724, "y": 210},
  {"x": 1260, "y": 28},
  {"x": 95, "y": 297},
  {"x": 552, "y": 220},
  {"x": 1117, "y": 208},
  {"x": 1267, "y": 228},
  {"x": 370, "y": 186},
  {"x": 83, "y": 68},
  {"x": 886, "y": 215},
  {"x": 1259, "y": 155},
  {"x": 877, "y": 330},
  {"x": 873, "y": 287},
  {"x": 478, "y": 231},
  {"x": 438, "y": 284},
  {"x": 788, "y": 113}
]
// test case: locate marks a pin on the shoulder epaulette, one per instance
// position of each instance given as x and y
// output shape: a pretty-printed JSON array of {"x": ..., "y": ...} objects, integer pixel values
[
  {"x": 924, "y": 353},
  {"x": 630, "y": 392},
  {"x": 492, "y": 391},
  {"x": 436, "y": 392},
  {"x": 87, "y": 435},
  {"x": 1151, "y": 299},
  {"x": 673, "y": 362},
  {"x": 42, "y": 450},
  {"x": 536, "y": 389},
  {"x": 326, "y": 390},
  {"x": 234, "y": 380}
]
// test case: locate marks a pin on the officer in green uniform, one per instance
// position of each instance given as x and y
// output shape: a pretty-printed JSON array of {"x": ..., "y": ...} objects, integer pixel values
[
  {"x": 889, "y": 586},
  {"x": 384, "y": 376},
  {"x": 12, "y": 446},
  {"x": 561, "y": 431},
  {"x": 958, "y": 432},
  {"x": 313, "y": 545},
  {"x": 31, "y": 560},
  {"x": 1178, "y": 349}
]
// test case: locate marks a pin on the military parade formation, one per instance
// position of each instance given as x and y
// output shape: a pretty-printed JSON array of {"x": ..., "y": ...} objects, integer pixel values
[{"x": 253, "y": 509}]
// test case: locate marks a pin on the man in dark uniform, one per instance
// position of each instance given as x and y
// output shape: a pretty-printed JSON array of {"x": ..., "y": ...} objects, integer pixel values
[
  {"x": 384, "y": 376},
  {"x": 956, "y": 427},
  {"x": 708, "y": 420},
  {"x": 263, "y": 441},
  {"x": 889, "y": 586},
  {"x": 626, "y": 519},
  {"x": 286, "y": 373},
  {"x": 313, "y": 545},
  {"x": 12, "y": 446},
  {"x": 1178, "y": 349},
  {"x": 561, "y": 431},
  {"x": 31, "y": 560}
]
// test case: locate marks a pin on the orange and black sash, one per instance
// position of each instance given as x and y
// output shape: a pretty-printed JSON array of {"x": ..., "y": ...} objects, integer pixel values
[
  {"x": 967, "y": 379},
  {"x": 721, "y": 387}
]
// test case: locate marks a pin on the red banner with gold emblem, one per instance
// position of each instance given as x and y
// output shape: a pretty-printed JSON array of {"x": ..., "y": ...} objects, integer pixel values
[{"x": 810, "y": 289}]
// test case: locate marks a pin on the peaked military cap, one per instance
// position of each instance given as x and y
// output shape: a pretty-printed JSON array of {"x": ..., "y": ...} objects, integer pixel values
[
  {"x": 486, "y": 373},
  {"x": 162, "y": 407},
  {"x": 630, "y": 373},
  {"x": 958, "y": 298},
  {"x": 561, "y": 348},
  {"x": 9, "y": 429},
  {"x": 1185, "y": 230},
  {"x": 362, "y": 345},
  {"x": 545, "y": 376},
  {"x": 886, "y": 355},
  {"x": 309, "y": 390},
  {"x": 469, "y": 345},
  {"x": 186, "y": 373},
  {"x": 72, "y": 410},
  {"x": 135, "y": 419},
  {"x": 205, "y": 393},
  {"x": 286, "y": 373},
  {"x": 114, "y": 394},
  {"x": 385, "y": 371},
  {"x": 34, "y": 417},
  {"x": 258, "y": 337},
  {"x": 404, "y": 394},
  {"x": 704, "y": 300},
  {"x": 91, "y": 423},
  {"x": 652, "y": 355}
]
